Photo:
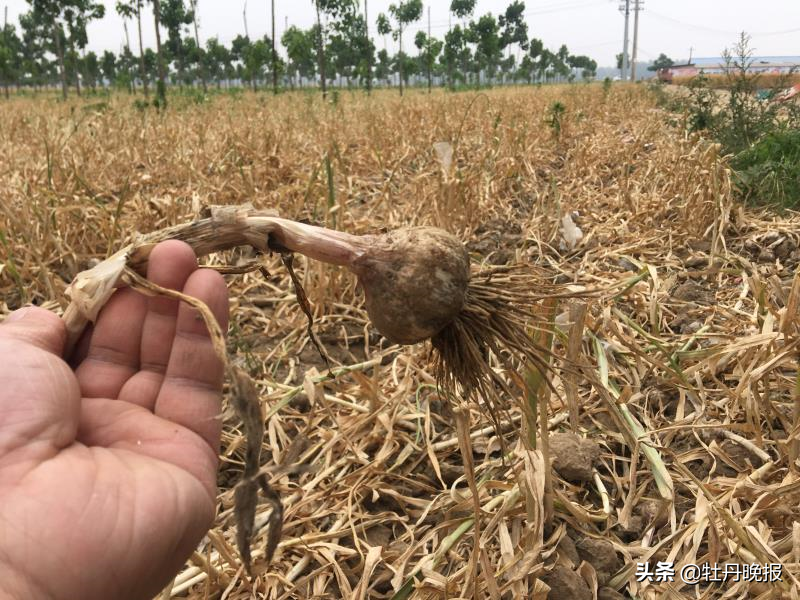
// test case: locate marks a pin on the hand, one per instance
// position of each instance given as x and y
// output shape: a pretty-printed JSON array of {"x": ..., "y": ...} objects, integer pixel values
[{"x": 108, "y": 472}]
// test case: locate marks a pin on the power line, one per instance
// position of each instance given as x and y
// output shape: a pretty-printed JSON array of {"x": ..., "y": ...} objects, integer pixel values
[{"x": 719, "y": 31}]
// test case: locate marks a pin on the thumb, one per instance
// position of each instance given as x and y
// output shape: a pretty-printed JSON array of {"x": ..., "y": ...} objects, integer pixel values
[
  {"x": 39, "y": 395},
  {"x": 37, "y": 327}
]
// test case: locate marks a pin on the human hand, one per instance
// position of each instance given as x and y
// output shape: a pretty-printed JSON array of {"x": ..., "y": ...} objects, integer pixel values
[{"x": 108, "y": 472}]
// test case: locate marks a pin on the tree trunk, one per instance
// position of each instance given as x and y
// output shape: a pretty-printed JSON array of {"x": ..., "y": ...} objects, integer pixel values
[
  {"x": 60, "y": 53},
  {"x": 197, "y": 41},
  {"x": 77, "y": 70},
  {"x": 321, "y": 53},
  {"x": 369, "y": 54},
  {"x": 142, "y": 69},
  {"x": 162, "y": 84},
  {"x": 274, "y": 54},
  {"x": 400, "y": 58}
]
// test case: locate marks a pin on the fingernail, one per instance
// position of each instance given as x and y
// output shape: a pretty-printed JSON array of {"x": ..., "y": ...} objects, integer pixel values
[{"x": 18, "y": 315}]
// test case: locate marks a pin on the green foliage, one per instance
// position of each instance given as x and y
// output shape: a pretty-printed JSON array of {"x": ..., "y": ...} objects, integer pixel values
[
  {"x": 662, "y": 62},
  {"x": 701, "y": 108},
  {"x": 760, "y": 135},
  {"x": 480, "y": 49},
  {"x": 555, "y": 118},
  {"x": 462, "y": 8},
  {"x": 515, "y": 30},
  {"x": 769, "y": 170}
]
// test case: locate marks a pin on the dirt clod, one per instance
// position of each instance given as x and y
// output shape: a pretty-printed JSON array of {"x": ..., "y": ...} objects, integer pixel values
[
  {"x": 566, "y": 584},
  {"x": 601, "y": 555},
  {"x": 573, "y": 456},
  {"x": 607, "y": 593}
]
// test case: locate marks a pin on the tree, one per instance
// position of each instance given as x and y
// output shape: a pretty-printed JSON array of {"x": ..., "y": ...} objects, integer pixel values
[
  {"x": 587, "y": 65},
  {"x": 11, "y": 54},
  {"x": 404, "y": 13},
  {"x": 128, "y": 10},
  {"x": 108, "y": 66},
  {"x": 35, "y": 66},
  {"x": 429, "y": 48},
  {"x": 383, "y": 68},
  {"x": 662, "y": 62},
  {"x": 254, "y": 56},
  {"x": 455, "y": 52},
  {"x": 175, "y": 17},
  {"x": 161, "y": 91},
  {"x": 77, "y": 14},
  {"x": 199, "y": 49},
  {"x": 515, "y": 30},
  {"x": 349, "y": 49},
  {"x": 370, "y": 45},
  {"x": 217, "y": 60},
  {"x": 462, "y": 8},
  {"x": 485, "y": 35},
  {"x": 48, "y": 19},
  {"x": 299, "y": 46},
  {"x": 333, "y": 9}
]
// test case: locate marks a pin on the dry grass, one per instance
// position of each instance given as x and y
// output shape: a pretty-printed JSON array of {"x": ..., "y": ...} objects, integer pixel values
[{"x": 683, "y": 378}]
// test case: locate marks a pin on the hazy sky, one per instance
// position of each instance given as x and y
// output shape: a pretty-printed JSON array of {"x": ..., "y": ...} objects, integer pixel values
[{"x": 592, "y": 27}]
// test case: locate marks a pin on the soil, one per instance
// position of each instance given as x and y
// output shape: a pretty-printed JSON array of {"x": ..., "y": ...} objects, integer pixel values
[
  {"x": 573, "y": 456},
  {"x": 601, "y": 555},
  {"x": 566, "y": 584}
]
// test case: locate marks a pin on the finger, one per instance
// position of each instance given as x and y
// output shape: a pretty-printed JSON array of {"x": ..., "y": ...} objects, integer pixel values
[
  {"x": 192, "y": 389},
  {"x": 171, "y": 263},
  {"x": 36, "y": 326},
  {"x": 113, "y": 355}
]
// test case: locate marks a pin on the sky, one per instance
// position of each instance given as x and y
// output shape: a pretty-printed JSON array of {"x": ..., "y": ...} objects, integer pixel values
[{"x": 591, "y": 27}]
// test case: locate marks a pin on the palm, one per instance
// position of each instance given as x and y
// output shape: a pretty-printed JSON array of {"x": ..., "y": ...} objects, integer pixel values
[{"x": 107, "y": 474}]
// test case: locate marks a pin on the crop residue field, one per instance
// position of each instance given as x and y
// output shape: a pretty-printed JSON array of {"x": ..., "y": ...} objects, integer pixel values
[{"x": 683, "y": 373}]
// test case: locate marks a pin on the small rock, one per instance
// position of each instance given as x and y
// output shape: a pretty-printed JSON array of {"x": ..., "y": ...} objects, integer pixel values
[
  {"x": 766, "y": 256},
  {"x": 601, "y": 555},
  {"x": 566, "y": 584},
  {"x": 696, "y": 261},
  {"x": 633, "y": 531},
  {"x": 692, "y": 292},
  {"x": 566, "y": 547},
  {"x": 785, "y": 248},
  {"x": 655, "y": 512},
  {"x": 573, "y": 456},
  {"x": 700, "y": 245},
  {"x": 380, "y": 535},
  {"x": 607, "y": 593}
]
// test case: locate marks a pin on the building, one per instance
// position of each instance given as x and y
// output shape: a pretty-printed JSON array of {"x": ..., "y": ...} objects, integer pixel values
[{"x": 779, "y": 65}]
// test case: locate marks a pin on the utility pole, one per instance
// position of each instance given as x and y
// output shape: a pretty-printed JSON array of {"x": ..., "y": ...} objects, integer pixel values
[
  {"x": 637, "y": 7},
  {"x": 691, "y": 48},
  {"x": 627, "y": 10},
  {"x": 274, "y": 54},
  {"x": 430, "y": 79},
  {"x": 244, "y": 16}
]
